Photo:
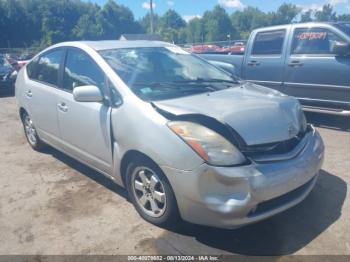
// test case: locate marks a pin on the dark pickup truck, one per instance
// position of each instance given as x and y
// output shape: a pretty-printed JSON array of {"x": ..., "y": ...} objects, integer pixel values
[{"x": 310, "y": 61}]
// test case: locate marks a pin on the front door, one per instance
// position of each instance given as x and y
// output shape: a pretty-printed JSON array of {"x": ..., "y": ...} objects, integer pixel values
[
  {"x": 264, "y": 62},
  {"x": 85, "y": 126},
  {"x": 313, "y": 71}
]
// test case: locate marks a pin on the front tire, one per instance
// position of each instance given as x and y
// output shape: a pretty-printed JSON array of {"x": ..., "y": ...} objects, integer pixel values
[
  {"x": 31, "y": 134},
  {"x": 150, "y": 192}
]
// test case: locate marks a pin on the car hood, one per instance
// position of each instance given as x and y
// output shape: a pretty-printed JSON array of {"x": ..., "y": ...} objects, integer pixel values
[{"x": 260, "y": 115}]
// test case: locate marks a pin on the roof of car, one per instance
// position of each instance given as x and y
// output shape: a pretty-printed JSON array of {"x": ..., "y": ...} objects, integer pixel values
[
  {"x": 113, "y": 44},
  {"x": 306, "y": 24}
]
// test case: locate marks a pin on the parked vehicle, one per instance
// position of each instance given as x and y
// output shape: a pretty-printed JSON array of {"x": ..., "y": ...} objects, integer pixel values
[
  {"x": 185, "y": 138},
  {"x": 236, "y": 48},
  {"x": 204, "y": 48},
  {"x": 24, "y": 59},
  {"x": 7, "y": 76},
  {"x": 310, "y": 61}
]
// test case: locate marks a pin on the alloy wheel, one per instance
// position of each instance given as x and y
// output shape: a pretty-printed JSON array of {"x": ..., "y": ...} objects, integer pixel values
[
  {"x": 30, "y": 130},
  {"x": 148, "y": 191}
]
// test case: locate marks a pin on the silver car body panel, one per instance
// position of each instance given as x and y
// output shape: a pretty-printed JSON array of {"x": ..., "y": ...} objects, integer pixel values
[
  {"x": 225, "y": 196},
  {"x": 258, "y": 114},
  {"x": 101, "y": 136}
]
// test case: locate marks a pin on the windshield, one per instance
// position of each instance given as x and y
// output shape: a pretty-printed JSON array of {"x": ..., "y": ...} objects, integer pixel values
[
  {"x": 157, "y": 73},
  {"x": 345, "y": 27}
]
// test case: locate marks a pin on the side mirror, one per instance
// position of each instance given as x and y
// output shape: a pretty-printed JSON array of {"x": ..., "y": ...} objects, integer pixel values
[
  {"x": 225, "y": 66},
  {"x": 87, "y": 94},
  {"x": 341, "y": 49}
]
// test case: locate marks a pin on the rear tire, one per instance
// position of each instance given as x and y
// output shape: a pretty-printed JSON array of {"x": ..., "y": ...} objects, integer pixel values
[
  {"x": 150, "y": 192},
  {"x": 30, "y": 132}
]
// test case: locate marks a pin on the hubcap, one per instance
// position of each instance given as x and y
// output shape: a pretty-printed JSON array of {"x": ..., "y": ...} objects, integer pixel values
[
  {"x": 30, "y": 130},
  {"x": 148, "y": 191}
]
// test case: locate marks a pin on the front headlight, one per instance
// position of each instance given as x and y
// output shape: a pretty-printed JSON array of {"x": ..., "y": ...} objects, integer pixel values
[{"x": 211, "y": 146}]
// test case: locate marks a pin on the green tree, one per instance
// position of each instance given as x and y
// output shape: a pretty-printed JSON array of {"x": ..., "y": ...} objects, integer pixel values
[
  {"x": 117, "y": 19},
  {"x": 344, "y": 18},
  {"x": 306, "y": 16},
  {"x": 87, "y": 27},
  {"x": 172, "y": 19},
  {"x": 195, "y": 31},
  {"x": 285, "y": 14},
  {"x": 16, "y": 26},
  {"x": 326, "y": 14},
  {"x": 58, "y": 18},
  {"x": 145, "y": 23},
  {"x": 249, "y": 19},
  {"x": 171, "y": 24},
  {"x": 45, "y": 22},
  {"x": 217, "y": 25}
]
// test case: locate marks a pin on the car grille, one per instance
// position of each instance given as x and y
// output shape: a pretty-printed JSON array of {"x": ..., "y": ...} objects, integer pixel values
[
  {"x": 278, "y": 148},
  {"x": 280, "y": 201}
]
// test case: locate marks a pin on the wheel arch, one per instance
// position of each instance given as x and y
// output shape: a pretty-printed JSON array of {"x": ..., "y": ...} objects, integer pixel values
[
  {"x": 129, "y": 156},
  {"x": 22, "y": 111}
]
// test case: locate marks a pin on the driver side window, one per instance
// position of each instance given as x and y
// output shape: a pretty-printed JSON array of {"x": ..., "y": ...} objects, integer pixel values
[
  {"x": 314, "y": 41},
  {"x": 81, "y": 70}
]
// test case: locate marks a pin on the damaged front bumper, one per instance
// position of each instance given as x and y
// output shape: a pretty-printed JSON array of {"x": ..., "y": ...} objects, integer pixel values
[{"x": 231, "y": 197}]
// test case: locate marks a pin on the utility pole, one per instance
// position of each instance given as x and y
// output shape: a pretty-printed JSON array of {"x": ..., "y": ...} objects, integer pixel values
[{"x": 151, "y": 13}]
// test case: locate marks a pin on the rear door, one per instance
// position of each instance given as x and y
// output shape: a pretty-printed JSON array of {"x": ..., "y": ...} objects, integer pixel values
[
  {"x": 85, "y": 127},
  {"x": 41, "y": 93},
  {"x": 313, "y": 72},
  {"x": 264, "y": 61}
]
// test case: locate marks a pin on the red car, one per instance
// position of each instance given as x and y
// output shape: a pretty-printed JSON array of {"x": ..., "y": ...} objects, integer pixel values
[
  {"x": 23, "y": 60},
  {"x": 237, "y": 47},
  {"x": 204, "y": 48}
]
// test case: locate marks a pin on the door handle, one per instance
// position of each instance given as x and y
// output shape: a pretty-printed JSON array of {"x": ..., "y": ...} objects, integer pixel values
[
  {"x": 29, "y": 93},
  {"x": 253, "y": 63},
  {"x": 62, "y": 106},
  {"x": 295, "y": 63}
]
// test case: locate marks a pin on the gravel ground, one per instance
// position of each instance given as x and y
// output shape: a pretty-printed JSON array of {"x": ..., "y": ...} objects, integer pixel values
[{"x": 51, "y": 204}]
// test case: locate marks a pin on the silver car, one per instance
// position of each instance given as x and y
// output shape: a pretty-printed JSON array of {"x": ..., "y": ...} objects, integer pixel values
[{"x": 184, "y": 137}]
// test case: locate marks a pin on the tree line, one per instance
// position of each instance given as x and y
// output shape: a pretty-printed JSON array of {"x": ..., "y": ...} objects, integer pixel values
[{"x": 39, "y": 23}]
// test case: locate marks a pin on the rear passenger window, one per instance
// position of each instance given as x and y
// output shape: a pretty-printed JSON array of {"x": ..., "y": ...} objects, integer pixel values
[
  {"x": 314, "y": 41},
  {"x": 269, "y": 43},
  {"x": 48, "y": 66},
  {"x": 81, "y": 70},
  {"x": 32, "y": 68}
]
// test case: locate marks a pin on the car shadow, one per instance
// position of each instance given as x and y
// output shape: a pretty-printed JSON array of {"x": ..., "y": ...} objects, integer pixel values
[
  {"x": 329, "y": 121},
  {"x": 282, "y": 234},
  {"x": 87, "y": 171}
]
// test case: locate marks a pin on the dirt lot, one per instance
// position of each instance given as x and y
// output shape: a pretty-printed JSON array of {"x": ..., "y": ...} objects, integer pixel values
[{"x": 51, "y": 204}]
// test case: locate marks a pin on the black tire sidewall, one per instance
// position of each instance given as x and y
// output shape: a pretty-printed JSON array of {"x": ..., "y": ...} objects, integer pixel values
[{"x": 171, "y": 215}]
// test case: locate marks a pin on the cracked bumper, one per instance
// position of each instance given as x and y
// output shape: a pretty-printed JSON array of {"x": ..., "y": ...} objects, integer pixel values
[{"x": 231, "y": 197}]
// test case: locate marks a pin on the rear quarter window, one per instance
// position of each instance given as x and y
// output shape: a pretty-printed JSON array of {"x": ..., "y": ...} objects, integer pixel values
[
  {"x": 269, "y": 42},
  {"x": 45, "y": 68},
  {"x": 31, "y": 68}
]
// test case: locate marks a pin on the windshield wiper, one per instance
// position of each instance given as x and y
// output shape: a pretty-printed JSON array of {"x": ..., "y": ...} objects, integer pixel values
[
  {"x": 202, "y": 80},
  {"x": 177, "y": 87}
]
